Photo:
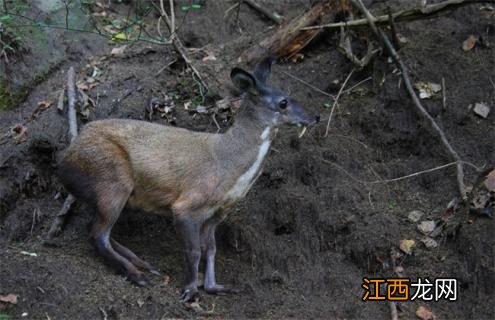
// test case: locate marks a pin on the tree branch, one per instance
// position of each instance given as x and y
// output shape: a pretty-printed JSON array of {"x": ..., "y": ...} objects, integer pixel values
[
  {"x": 417, "y": 103},
  {"x": 418, "y": 13}
]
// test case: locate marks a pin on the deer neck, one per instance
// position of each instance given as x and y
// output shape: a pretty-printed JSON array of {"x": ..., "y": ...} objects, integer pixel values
[{"x": 243, "y": 149}]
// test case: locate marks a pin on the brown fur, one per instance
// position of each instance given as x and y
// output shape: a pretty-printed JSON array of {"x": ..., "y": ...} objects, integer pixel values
[{"x": 165, "y": 167}]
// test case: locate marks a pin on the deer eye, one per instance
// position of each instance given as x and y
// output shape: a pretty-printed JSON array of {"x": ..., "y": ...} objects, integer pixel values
[{"x": 282, "y": 104}]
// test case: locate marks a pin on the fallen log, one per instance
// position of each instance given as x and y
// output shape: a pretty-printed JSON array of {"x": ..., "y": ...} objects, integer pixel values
[{"x": 291, "y": 38}]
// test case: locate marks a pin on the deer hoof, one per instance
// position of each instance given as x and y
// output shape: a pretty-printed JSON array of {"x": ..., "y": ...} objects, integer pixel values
[
  {"x": 190, "y": 295},
  {"x": 139, "y": 279}
]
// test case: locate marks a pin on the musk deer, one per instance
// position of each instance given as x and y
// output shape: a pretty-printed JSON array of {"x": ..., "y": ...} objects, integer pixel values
[{"x": 194, "y": 176}]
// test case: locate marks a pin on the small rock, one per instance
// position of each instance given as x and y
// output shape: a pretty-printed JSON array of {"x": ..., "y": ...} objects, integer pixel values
[
  {"x": 470, "y": 42},
  {"x": 10, "y": 298},
  {"x": 31, "y": 254},
  {"x": 407, "y": 245},
  {"x": 201, "y": 109},
  {"x": 400, "y": 271},
  {"x": 187, "y": 105},
  {"x": 481, "y": 109},
  {"x": 415, "y": 215},
  {"x": 118, "y": 51},
  {"x": 490, "y": 181},
  {"x": 425, "y": 314},
  {"x": 427, "y": 226},
  {"x": 429, "y": 243}
]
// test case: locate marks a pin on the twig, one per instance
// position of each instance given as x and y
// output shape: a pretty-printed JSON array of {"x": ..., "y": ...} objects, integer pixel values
[
  {"x": 357, "y": 85},
  {"x": 66, "y": 4},
  {"x": 349, "y": 138},
  {"x": 71, "y": 103},
  {"x": 393, "y": 28},
  {"x": 444, "y": 96},
  {"x": 309, "y": 85},
  {"x": 35, "y": 217},
  {"x": 393, "y": 310},
  {"x": 275, "y": 17},
  {"x": 336, "y": 100},
  {"x": 60, "y": 103},
  {"x": 104, "y": 313},
  {"x": 216, "y": 122},
  {"x": 417, "y": 102},
  {"x": 346, "y": 49},
  {"x": 61, "y": 217},
  {"x": 403, "y": 15},
  {"x": 415, "y": 174},
  {"x": 235, "y": 5},
  {"x": 98, "y": 32},
  {"x": 175, "y": 39}
]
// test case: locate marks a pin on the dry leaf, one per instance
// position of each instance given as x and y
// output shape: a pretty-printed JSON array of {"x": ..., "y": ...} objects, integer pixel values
[
  {"x": 100, "y": 14},
  {"x": 209, "y": 56},
  {"x": 81, "y": 85},
  {"x": 42, "y": 106},
  {"x": 481, "y": 200},
  {"x": 481, "y": 109},
  {"x": 407, "y": 245},
  {"x": 427, "y": 89},
  {"x": 490, "y": 181},
  {"x": 429, "y": 243},
  {"x": 19, "y": 133},
  {"x": 10, "y": 298},
  {"x": 201, "y": 109},
  {"x": 298, "y": 57},
  {"x": 415, "y": 215},
  {"x": 118, "y": 51},
  {"x": 427, "y": 226},
  {"x": 425, "y": 314},
  {"x": 470, "y": 42},
  {"x": 187, "y": 105},
  {"x": 85, "y": 104}
]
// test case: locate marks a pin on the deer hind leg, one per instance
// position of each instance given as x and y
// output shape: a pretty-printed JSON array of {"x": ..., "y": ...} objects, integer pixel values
[
  {"x": 110, "y": 205},
  {"x": 134, "y": 259}
]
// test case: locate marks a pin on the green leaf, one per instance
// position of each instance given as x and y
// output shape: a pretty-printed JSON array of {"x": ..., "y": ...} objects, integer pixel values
[
  {"x": 6, "y": 17},
  {"x": 327, "y": 105},
  {"x": 196, "y": 6},
  {"x": 185, "y": 8},
  {"x": 119, "y": 36}
]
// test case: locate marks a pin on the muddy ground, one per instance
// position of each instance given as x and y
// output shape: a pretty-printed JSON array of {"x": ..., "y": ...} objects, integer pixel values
[{"x": 308, "y": 231}]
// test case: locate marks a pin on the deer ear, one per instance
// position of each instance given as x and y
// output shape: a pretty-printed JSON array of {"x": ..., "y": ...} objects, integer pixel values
[
  {"x": 263, "y": 68},
  {"x": 243, "y": 80}
]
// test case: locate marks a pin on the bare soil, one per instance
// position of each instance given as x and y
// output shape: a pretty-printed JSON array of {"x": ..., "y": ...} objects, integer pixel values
[{"x": 308, "y": 232}]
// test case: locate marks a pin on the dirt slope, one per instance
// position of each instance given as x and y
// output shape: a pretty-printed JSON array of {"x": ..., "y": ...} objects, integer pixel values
[{"x": 307, "y": 233}]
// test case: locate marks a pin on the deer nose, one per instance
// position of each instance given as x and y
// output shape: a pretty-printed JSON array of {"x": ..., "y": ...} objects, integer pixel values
[{"x": 317, "y": 117}]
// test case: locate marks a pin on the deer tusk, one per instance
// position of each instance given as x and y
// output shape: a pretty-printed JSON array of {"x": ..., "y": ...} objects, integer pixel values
[{"x": 302, "y": 132}]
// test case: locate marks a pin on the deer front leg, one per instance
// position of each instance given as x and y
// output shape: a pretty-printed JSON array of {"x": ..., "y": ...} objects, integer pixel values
[
  {"x": 209, "y": 250},
  {"x": 188, "y": 230}
]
